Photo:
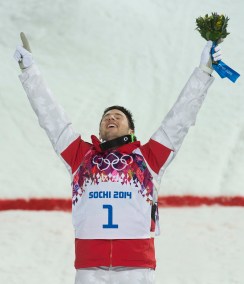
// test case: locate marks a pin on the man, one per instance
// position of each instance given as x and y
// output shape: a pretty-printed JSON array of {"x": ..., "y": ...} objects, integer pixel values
[{"x": 115, "y": 180}]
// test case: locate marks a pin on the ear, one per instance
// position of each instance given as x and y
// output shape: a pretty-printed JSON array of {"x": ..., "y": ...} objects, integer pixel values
[
  {"x": 131, "y": 131},
  {"x": 100, "y": 136}
]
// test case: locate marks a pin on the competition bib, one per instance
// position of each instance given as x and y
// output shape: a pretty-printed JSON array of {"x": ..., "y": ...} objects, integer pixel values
[
  {"x": 112, "y": 212},
  {"x": 112, "y": 197}
]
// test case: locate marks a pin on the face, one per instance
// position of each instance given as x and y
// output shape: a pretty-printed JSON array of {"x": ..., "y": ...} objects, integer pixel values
[{"x": 114, "y": 124}]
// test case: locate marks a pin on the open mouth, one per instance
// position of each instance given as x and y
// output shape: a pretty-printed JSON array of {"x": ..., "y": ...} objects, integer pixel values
[{"x": 111, "y": 126}]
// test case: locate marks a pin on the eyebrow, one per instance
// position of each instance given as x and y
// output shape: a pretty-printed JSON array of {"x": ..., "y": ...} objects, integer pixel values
[{"x": 116, "y": 113}]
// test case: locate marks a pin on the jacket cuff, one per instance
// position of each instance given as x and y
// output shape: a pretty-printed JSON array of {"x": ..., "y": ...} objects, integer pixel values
[
  {"x": 206, "y": 69},
  {"x": 28, "y": 72}
]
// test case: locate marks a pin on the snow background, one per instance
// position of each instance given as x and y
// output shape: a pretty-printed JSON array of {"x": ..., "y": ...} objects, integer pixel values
[
  {"x": 138, "y": 54},
  {"x": 197, "y": 246}
]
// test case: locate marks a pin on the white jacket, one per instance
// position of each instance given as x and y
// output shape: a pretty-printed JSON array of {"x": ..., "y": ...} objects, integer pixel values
[{"x": 101, "y": 190}]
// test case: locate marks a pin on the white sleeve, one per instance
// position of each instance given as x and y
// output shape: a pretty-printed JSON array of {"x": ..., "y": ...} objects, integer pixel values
[
  {"x": 51, "y": 115},
  {"x": 183, "y": 114}
]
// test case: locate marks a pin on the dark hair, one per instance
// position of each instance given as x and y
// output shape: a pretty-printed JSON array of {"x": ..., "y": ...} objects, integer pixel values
[{"x": 127, "y": 113}]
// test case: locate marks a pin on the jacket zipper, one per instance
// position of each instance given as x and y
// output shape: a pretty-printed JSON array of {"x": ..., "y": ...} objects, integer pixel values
[{"x": 111, "y": 252}]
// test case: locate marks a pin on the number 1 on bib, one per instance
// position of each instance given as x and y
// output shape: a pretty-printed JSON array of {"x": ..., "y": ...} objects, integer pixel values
[{"x": 110, "y": 224}]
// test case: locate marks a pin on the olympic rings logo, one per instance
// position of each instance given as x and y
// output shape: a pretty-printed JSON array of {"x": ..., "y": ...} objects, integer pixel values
[{"x": 117, "y": 163}]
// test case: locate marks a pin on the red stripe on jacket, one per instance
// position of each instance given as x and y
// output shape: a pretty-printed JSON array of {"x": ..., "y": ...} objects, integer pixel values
[{"x": 155, "y": 154}]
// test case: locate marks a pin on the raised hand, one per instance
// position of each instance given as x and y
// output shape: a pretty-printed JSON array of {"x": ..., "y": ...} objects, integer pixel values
[{"x": 23, "y": 53}]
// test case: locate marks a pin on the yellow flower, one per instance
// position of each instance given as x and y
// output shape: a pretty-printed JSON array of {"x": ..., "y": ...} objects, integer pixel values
[{"x": 218, "y": 24}]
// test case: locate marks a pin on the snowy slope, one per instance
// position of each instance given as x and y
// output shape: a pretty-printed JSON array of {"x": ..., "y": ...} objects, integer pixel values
[
  {"x": 138, "y": 54},
  {"x": 135, "y": 53},
  {"x": 197, "y": 246}
]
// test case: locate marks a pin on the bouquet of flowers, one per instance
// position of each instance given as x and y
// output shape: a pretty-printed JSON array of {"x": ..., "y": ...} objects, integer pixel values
[{"x": 214, "y": 28}]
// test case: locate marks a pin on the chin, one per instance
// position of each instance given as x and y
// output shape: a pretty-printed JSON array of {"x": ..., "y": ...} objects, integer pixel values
[{"x": 111, "y": 137}]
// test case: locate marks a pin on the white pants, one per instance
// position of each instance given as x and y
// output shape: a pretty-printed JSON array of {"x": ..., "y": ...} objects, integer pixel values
[{"x": 115, "y": 275}]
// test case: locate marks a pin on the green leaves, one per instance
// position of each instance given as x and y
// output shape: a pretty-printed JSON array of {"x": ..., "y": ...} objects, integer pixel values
[{"x": 212, "y": 27}]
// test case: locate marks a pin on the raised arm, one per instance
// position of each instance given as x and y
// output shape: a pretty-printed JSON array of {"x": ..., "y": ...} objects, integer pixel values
[
  {"x": 182, "y": 115},
  {"x": 51, "y": 115}
]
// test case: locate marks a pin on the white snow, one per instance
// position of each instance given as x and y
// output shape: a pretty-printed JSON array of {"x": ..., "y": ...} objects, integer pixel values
[
  {"x": 197, "y": 246},
  {"x": 138, "y": 54}
]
